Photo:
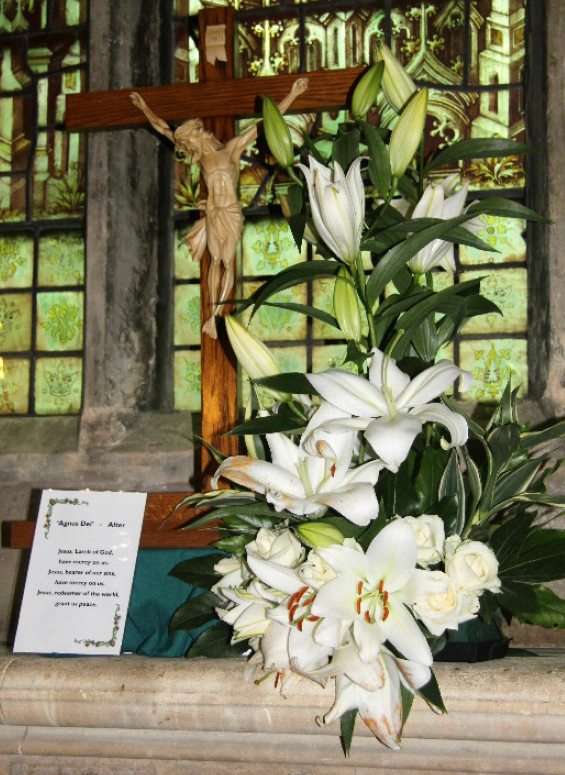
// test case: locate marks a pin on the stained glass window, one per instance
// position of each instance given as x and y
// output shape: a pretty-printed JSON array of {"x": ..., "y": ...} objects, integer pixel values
[
  {"x": 43, "y": 48},
  {"x": 471, "y": 54}
]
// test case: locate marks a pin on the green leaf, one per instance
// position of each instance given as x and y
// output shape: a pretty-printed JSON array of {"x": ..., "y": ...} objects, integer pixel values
[
  {"x": 506, "y": 208},
  {"x": 245, "y": 522},
  {"x": 533, "y": 438},
  {"x": 488, "y": 606},
  {"x": 346, "y": 148},
  {"x": 347, "y": 721},
  {"x": 432, "y": 695},
  {"x": 507, "y": 539},
  {"x": 477, "y": 148},
  {"x": 516, "y": 596},
  {"x": 429, "y": 476},
  {"x": 291, "y": 276},
  {"x": 399, "y": 256},
  {"x": 198, "y": 571},
  {"x": 407, "y": 700},
  {"x": 215, "y": 643},
  {"x": 305, "y": 309},
  {"x": 295, "y": 198},
  {"x": 379, "y": 161},
  {"x": 474, "y": 481},
  {"x": 452, "y": 484},
  {"x": 474, "y": 427},
  {"x": 425, "y": 339},
  {"x": 312, "y": 150},
  {"x": 271, "y": 424},
  {"x": 290, "y": 382},
  {"x": 195, "y": 613},
  {"x": 549, "y": 610},
  {"x": 386, "y": 238},
  {"x": 297, "y": 225},
  {"x": 542, "y": 558},
  {"x": 516, "y": 480},
  {"x": 234, "y": 544}
]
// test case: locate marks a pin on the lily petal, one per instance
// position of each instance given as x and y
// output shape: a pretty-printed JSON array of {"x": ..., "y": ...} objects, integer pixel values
[
  {"x": 392, "y": 556},
  {"x": 401, "y": 630},
  {"x": 382, "y": 710},
  {"x": 349, "y": 392},
  {"x": 430, "y": 384},
  {"x": 392, "y": 439},
  {"x": 259, "y": 476},
  {"x": 274, "y": 575},
  {"x": 356, "y": 502},
  {"x": 455, "y": 423},
  {"x": 396, "y": 380}
]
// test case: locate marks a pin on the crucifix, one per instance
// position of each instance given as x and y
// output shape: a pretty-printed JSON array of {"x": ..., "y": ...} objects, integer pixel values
[{"x": 218, "y": 99}]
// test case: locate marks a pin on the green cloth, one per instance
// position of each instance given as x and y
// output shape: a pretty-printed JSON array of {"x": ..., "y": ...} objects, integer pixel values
[{"x": 155, "y": 596}]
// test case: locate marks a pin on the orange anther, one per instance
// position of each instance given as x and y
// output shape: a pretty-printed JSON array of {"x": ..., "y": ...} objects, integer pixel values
[
  {"x": 367, "y": 617},
  {"x": 359, "y": 587},
  {"x": 309, "y": 600},
  {"x": 277, "y": 679},
  {"x": 381, "y": 585},
  {"x": 292, "y": 612},
  {"x": 333, "y": 469},
  {"x": 313, "y": 618},
  {"x": 299, "y": 625},
  {"x": 385, "y": 599},
  {"x": 386, "y": 612},
  {"x": 359, "y": 605}
]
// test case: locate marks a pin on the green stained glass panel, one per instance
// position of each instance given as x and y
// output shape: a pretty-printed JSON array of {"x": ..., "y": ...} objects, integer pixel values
[
  {"x": 329, "y": 357},
  {"x": 497, "y": 42},
  {"x": 13, "y": 73},
  {"x": 187, "y": 381},
  {"x": 61, "y": 259},
  {"x": 14, "y": 388},
  {"x": 268, "y": 46},
  {"x": 344, "y": 39},
  {"x": 68, "y": 13},
  {"x": 16, "y": 261},
  {"x": 185, "y": 267},
  {"x": 506, "y": 235},
  {"x": 52, "y": 93},
  {"x": 12, "y": 198},
  {"x": 187, "y": 185},
  {"x": 59, "y": 320},
  {"x": 52, "y": 52},
  {"x": 271, "y": 323},
  {"x": 187, "y": 314},
  {"x": 15, "y": 317},
  {"x": 58, "y": 385},
  {"x": 323, "y": 298},
  {"x": 268, "y": 247},
  {"x": 508, "y": 289},
  {"x": 492, "y": 362},
  {"x": 20, "y": 15},
  {"x": 16, "y": 130},
  {"x": 58, "y": 175}
]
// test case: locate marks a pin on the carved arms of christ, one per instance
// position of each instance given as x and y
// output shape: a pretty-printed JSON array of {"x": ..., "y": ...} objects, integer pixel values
[{"x": 220, "y": 228}]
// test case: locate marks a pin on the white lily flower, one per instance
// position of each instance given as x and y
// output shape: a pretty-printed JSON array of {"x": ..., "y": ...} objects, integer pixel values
[
  {"x": 372, "y": 592},
  {"x": 436, "y": 203},
  {"x": 338, "y": 206},
  {"x": 390, "y": 407},
  {"x": 373, "y": 688},
  {"x": 305, "y": 483}
]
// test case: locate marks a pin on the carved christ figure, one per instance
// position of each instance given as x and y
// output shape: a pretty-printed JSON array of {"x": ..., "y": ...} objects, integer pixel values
[{"x": 220, "y": 228}]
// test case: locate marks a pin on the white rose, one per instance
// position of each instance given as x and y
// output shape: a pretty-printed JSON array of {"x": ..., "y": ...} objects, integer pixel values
[
  {"x": 316, "y": 572},
  {"x": 234, "y": 573},
  {"x": 280, "y": 547},
  {"x": 430, "y": 536},
  {"x": 443, "y": 611},
  {"x": 471, "y": 565}
]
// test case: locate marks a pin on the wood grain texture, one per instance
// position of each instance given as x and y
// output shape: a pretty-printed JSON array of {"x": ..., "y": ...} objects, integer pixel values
[
  {"x": 161, "y": 528},
  {"x": 219, "y": 366},
  {"x": 235, "y": 98}
]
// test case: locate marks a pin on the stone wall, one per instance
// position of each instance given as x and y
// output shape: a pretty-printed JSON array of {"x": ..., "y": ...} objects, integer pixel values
[{"x": 127, "y": 438}]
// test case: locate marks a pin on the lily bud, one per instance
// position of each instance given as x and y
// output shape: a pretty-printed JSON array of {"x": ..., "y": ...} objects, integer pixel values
[
  {"x": 366, "y": 91},
  {"x": 254, "y": 357},
  {"x": 277, "y": 133},
  {"x": 407, "y": 133},
  {"x": 319, "y": 534},
  {"x": 398, "y": 87},
  {"x": 346, "y": 306}
]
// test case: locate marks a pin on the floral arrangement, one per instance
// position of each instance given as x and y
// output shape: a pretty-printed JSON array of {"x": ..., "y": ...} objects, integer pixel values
[{"x": 371, "y": 519}]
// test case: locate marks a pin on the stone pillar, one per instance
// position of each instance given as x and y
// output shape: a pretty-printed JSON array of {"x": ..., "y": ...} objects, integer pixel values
[{"x": 123, "y": 220}]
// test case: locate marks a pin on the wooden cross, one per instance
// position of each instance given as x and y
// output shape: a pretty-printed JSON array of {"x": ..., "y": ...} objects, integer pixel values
[{"x": 218, "y": 99}]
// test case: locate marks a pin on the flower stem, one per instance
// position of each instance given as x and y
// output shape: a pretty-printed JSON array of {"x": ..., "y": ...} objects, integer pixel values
[{"x": 362, "y": 292}]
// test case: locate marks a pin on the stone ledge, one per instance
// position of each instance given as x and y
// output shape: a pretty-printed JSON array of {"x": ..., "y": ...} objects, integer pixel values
[{"x": 201, "y": 716}]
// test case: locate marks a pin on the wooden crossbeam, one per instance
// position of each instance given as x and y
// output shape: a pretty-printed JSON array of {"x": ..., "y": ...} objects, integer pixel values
[
  {"x": 327, "y": 89},
  {"x": 155, "y": 533}
]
